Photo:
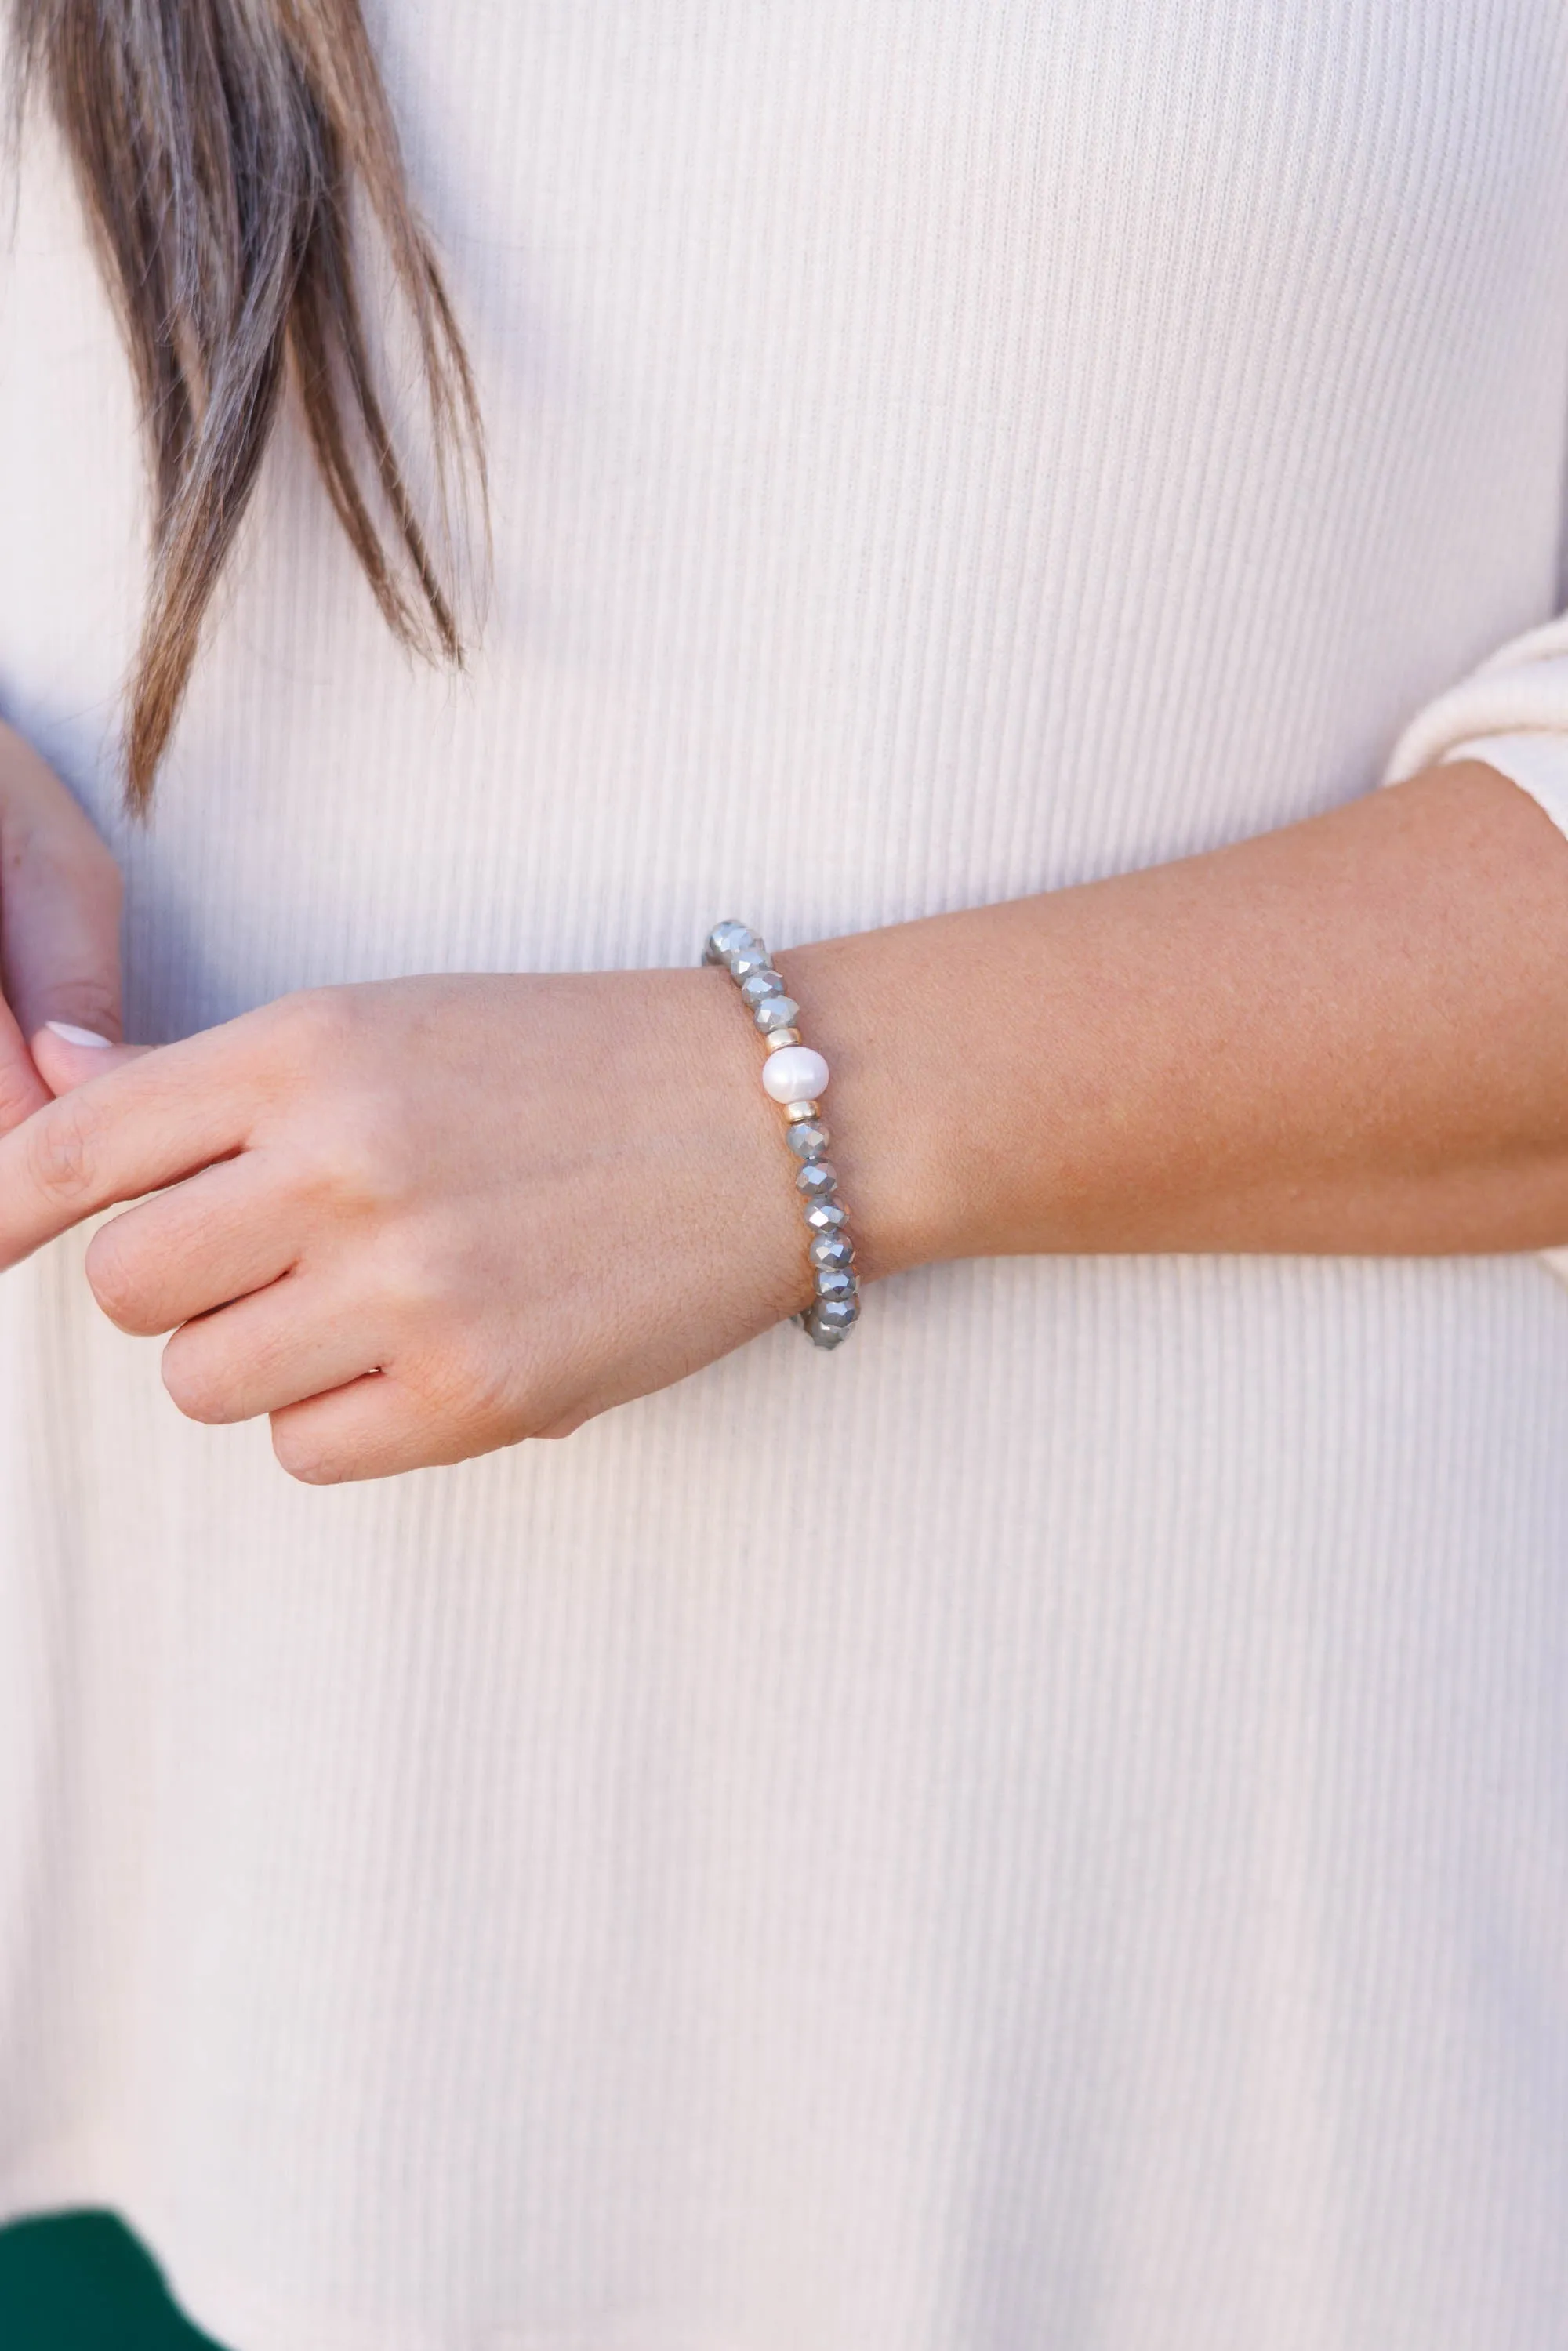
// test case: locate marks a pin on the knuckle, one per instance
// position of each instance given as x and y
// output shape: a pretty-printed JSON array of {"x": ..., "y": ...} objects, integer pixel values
[
  {"x": 356, "y": 1172},
  {"x": 196, "y": 1382},
  {"x": 21, "y": 1093},
  {"x": 410, "y": 1277},
  {"x": 308, "y": 1457},
  {"x": 311, "y": 1027},
  {"x": 481, "y": 1397},
  {"x": 566, "y": 1426},
  {"x": 62, "y": 1149},
  {"x": 120, "y": 1284},
  {"x": 353, "y": 1165}
]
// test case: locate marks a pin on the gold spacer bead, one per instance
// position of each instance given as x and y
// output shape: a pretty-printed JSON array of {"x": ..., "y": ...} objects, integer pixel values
[
  {"x": 797, "y": 1112},
  {"x": 777, "y": 1037}
]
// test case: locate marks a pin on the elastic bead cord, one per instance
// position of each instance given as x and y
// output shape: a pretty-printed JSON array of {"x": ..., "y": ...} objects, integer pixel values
[{"x": 795, "y": 1076}]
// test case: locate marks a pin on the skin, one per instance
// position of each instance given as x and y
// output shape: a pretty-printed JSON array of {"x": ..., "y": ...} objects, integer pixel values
[
  {"x": 59, "y": 921},
  {"x": 415, "y": 1220}
]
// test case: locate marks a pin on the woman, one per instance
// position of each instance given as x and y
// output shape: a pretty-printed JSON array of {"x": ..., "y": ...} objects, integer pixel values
[{"x": 1045, "y": 1823}]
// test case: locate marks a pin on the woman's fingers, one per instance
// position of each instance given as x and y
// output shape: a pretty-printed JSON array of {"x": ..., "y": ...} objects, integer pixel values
[
  {"x": 22, "y": 1089},
  {"x": 59, "y": 908},
  {"x": 59, "y": 921},
  {"x": 372, "y": 1427},
  {"x": 268, "y": 1351},
  {"x": 159, "y": 1117},
  {"x": 215, "y": 1237}
]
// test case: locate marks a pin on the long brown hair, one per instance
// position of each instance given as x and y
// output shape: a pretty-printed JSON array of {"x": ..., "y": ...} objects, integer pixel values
[{"x": 219, "y": 146}]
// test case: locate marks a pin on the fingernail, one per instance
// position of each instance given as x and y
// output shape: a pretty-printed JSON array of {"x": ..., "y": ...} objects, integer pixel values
[{"x": 74, "y": 1036}]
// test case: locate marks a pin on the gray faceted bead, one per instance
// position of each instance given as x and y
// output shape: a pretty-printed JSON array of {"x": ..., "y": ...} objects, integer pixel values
[
  {"x": 832, "y": 1248},
  {"x": 825, "y": 1215},
  {"x": 776, "y": 1012},
  {"x": 825, "y": 1334},
  {"x": 836, "y": 1315},
  {"x": 836, "y": 1281},
  {"x": 819, "y": 1179},
  {"x": 761, "y": 984},
  {"x": 723, "y": 940},
  {"x": 809, "y": 1140},
  {"x": 744, "y": 961}
]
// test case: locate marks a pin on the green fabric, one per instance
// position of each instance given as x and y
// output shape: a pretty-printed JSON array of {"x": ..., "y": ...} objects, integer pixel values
[{"x": 82, "y": 2282}]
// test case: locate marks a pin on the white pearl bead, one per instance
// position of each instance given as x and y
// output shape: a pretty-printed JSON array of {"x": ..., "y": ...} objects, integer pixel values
[{"x": 794, "y": 1074}]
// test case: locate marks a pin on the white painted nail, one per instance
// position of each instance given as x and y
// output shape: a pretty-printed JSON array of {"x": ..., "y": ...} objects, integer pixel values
[{"x": 74, "y": 1036}]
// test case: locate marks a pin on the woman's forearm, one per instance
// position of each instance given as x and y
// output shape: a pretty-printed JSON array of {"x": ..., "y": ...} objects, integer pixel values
[
  {"x": 412, "y": 1220},
  {"x": 1351, "y": 1035}
]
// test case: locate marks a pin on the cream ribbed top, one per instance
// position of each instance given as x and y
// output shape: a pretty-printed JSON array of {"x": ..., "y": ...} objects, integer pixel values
[{"x": 1098, "y": 1879}]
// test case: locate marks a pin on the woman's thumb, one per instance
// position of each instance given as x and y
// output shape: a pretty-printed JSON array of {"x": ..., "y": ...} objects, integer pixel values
[
  {"x": 65, "y": 1055},
  {"x": 60, "y": 918}
]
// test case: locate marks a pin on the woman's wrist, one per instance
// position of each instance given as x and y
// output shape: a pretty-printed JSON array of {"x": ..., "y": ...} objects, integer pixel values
[
  {"x": 795, "y": 1076},
  {"x": 750, "y": 1171},
  {"x": 897, "y": 1143}
]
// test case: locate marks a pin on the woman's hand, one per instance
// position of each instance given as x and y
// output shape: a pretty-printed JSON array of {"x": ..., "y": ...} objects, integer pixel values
[
  {"x": 60, "y": 922},
  {"x": 415, "y": 1220}
]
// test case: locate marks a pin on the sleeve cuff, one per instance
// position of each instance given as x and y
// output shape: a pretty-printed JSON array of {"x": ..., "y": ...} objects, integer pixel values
[
  {"x": 1537, "y": 764},
  {"x": 1513, "y": 712}
]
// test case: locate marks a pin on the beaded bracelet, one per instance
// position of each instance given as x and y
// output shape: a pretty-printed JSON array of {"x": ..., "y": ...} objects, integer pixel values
[{"x": 794, "y": 1075}]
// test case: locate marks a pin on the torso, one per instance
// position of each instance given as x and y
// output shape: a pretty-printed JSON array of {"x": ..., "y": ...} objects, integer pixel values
[{"x": 1105, "y": 1864}]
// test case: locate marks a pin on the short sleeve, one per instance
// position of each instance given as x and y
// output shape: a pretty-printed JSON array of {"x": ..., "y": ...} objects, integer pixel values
[{"x": 1511, "y": 713}]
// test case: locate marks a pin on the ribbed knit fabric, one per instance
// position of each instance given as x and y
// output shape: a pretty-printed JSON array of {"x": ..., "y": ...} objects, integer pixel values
[{"x": 1095, "y": 1874}]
